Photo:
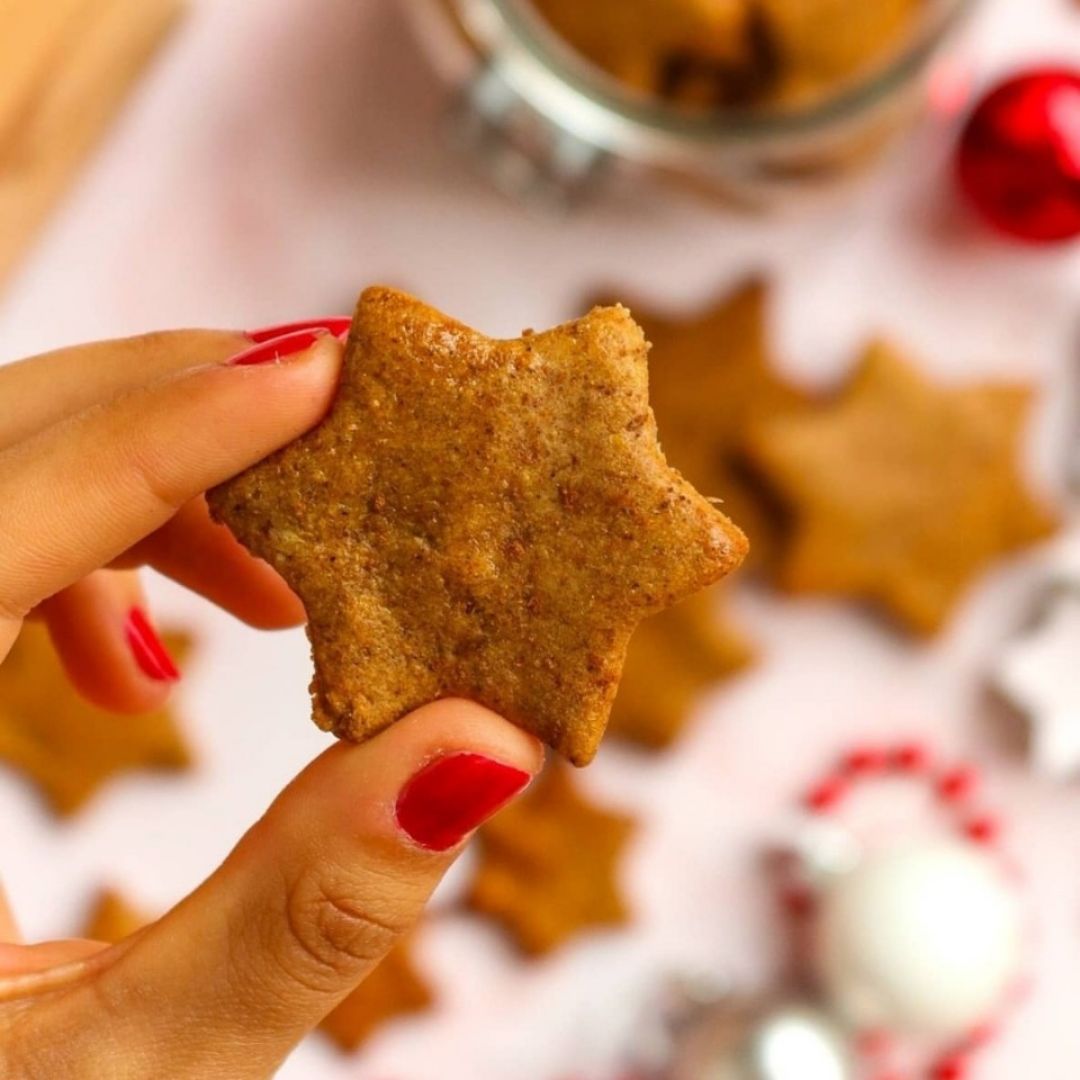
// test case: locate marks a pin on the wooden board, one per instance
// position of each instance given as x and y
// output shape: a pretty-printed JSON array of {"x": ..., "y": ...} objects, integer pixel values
[{"x": 65, "y": 68}]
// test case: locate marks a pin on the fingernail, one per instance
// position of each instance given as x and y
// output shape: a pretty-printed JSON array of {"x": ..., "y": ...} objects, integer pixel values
[
  {"x": 150, "y": 654},
  {"x": 449, "y": 798},
  {"x": 338, "y": 325},
  {"x": 279, "y": 348}
]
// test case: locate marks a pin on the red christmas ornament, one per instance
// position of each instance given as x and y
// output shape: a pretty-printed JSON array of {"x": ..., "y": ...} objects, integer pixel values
[{"x": 1019, "y": 156}]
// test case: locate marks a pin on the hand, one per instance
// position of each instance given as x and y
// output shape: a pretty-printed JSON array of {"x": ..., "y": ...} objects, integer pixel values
[{"x": 105, "y": 451}]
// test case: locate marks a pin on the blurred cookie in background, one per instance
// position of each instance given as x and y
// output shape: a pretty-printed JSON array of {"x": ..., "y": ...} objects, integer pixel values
[
  {"x": 712, "y": 376},
  {"x": 549, "y": 865},
  {"x": 393, "y": 989},
  {"x": 900, "y": 492},
  {"x": 692, "y": 51},
  {"x": 112, "y": 918},
  {"x": 722, "y": 54},
  {"x": 65, "y": 746},
  {"x": 674, "y": 658},
  {"x": 823, "y": 43}
]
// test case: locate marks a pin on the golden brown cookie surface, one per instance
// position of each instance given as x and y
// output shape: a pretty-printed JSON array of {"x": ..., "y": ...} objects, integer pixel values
[
  {"x": 732, "y": 53},
  {"x": 901, "y": 492},
  {"x": 825, "y": 42},
  {"x": 712, "y": 376},
  {"x": 392, "y": 989},
  {"x": 66, "y": 746},
  {"x": 549, "y": 864},
  {"x": 113, "y": 918},
  {"x": 673, "y": 658},
  {"x": 693, "y": 51},
  {"x": 480, "y": 518}
]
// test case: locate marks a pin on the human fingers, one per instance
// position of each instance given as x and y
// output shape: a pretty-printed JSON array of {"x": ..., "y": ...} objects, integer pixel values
[
  {"x": 83, "y": 491},
  {"x": 42, "y": 390},
  {"x": 108, "y": 643},
  {"x": 205, "y": 557},
  {"x": 306, "y": 905}
]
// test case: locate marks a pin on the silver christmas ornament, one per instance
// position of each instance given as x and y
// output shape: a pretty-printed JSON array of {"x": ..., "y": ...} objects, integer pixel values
[{"x": 742, "y": 1039}]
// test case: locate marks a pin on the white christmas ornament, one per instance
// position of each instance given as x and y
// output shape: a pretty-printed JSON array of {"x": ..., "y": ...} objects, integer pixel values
[{"x": 923, "y": 939}]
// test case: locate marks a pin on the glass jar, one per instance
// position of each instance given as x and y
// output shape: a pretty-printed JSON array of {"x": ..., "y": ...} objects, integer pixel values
[{"x": 544, "y": 123}]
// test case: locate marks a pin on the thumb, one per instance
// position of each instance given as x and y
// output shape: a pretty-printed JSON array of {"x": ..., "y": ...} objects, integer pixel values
[{"x": 312, "y": 897}]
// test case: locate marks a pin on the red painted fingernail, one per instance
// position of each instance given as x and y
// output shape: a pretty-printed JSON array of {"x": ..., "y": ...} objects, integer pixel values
[
  {"x": 338, "y": 325},
  {"x": 150, "y": 654},
  {"x": 279, "y": 348},
  {"x": 449, "y": 798}
]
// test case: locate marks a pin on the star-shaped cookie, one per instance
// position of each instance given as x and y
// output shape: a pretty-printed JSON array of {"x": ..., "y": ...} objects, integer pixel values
[
  {"x": 393, "y": 989},
  {"x": 113, "y": 918},
  {"x": 673, "y": 658},
  {"x": 66, "y": 746},
  {"x": 480, "y": 518},
  {"x": 711, "y": 376},
  {"x": 549, "y": 865},
  {"x": 901, "y": 492}
]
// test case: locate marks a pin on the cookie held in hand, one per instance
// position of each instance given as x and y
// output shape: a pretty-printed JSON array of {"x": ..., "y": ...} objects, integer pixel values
[
  {"x": 901, "y": 492},
  {"x": 480, "y": 518},
  {"x": 712, "y": 375}
]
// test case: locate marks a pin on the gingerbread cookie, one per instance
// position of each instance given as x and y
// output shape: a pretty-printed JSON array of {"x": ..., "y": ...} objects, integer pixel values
[
  {"x": 711, "y": 376},
  {"x": 112, "y": 918},
  {"x": 673, "y": 658},
  {"x": 480, "y": 518},
  {"x": 549, "y": 864},
  {"x": 66, "y": 746},
  {"x": 393, "y": 989},
  {"x": 901, "y": 492}
]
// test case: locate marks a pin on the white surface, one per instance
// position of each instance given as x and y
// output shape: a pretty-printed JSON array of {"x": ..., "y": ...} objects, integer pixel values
[{"x": 282, "y": 155}]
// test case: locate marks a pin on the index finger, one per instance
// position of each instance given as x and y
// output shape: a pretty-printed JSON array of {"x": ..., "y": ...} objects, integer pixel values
[
  {"x": 83, "y": 491},
  {"x": 43, "y": 389}
]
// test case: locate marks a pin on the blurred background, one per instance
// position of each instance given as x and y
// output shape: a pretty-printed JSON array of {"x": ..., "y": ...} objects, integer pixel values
[{"x": 222, "y": 164}]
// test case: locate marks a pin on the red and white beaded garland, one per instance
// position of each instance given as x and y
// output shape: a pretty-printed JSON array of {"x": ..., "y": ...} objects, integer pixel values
[{"x": 973, "y": 854}]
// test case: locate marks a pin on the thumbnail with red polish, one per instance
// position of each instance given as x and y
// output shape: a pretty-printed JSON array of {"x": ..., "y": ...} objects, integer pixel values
[
  {"x": 279, "y": 348},
  {"x": 453, "y": 795},
  {"x": 338, "y": 325},
  {"x": 147, "y": 648}
]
